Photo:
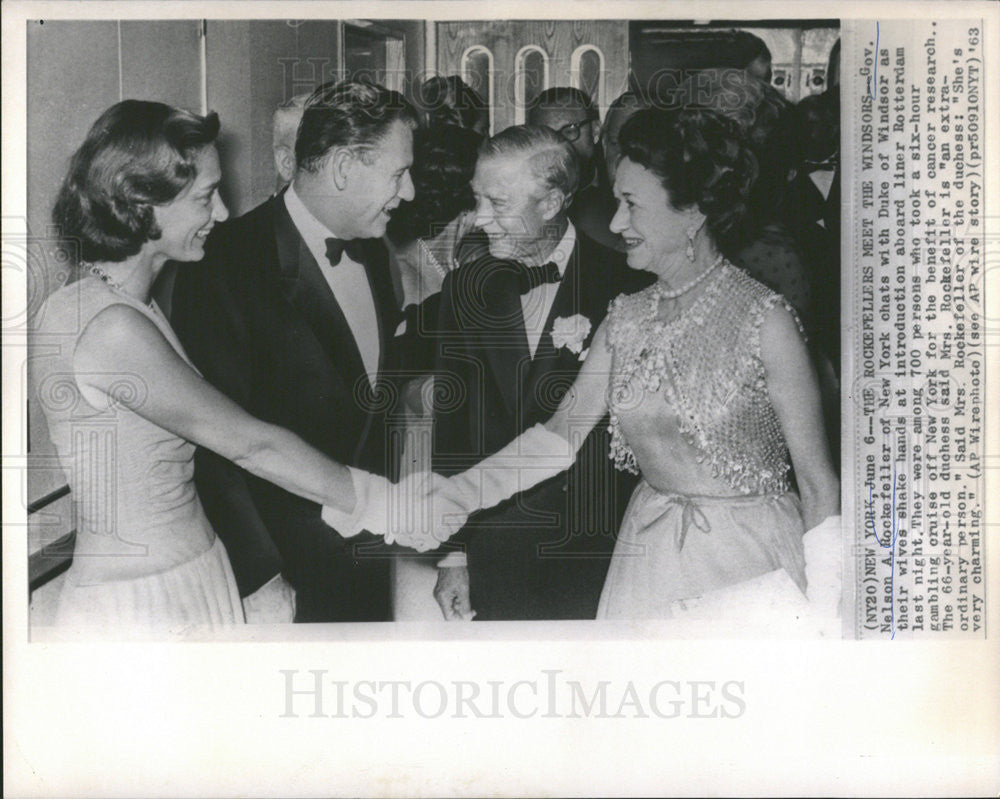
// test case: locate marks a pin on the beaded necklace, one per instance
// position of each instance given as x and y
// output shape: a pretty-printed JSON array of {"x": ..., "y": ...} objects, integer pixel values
[
  {"x": 441, "y": 269},
  {"x": 109, "y": 281}
]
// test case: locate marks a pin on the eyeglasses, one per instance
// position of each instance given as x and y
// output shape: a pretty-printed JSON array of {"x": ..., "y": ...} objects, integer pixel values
[{"x": 571, "y": 132}]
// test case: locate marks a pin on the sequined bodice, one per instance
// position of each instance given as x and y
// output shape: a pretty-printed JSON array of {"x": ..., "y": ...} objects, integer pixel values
[{"x": 706, "y": 367}]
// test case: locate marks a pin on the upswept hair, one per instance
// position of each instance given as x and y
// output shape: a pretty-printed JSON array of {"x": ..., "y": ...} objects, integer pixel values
[
  {"x": 553, "y": 162},
  {"x": 355, "y": 114},
  {"x": 137, "y": 155},
  {"x": 701, "y": 160},
  {"x": 767, "y": 122},
  {"x": 444, "y": 160}
]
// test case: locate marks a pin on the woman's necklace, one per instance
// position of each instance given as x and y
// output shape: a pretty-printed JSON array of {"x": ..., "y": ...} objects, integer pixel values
[
  {"x": 433, "y": 259},
  {"x": 663, "y": 293},
  {"x": 109, "y": 281}
]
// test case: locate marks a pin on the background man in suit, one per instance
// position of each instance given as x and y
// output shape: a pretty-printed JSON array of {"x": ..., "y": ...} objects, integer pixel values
[
  {"x": 516, "y": 318},
  {"x": 293, "y": 315},
  {"x": 571, "y": 113}
]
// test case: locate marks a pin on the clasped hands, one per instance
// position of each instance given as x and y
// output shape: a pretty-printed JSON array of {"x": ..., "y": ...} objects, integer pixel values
[
  {"x": 421, "y": 511},
  {"x": 424, "y": 509}
]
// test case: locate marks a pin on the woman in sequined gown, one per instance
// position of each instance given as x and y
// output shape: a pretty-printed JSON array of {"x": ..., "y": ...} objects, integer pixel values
[{"x": 711, "y": 393}]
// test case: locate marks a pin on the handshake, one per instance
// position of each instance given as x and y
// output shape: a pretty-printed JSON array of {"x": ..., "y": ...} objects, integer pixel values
[
  {"x": 421, "y": 511},
  {"x": 424, "y": 509}
]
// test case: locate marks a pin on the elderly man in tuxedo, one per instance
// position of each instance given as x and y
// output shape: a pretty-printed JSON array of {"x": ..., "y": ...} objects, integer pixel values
[
  {"x": 292, "y": 314},
  {"x": 515, "y": 321}
]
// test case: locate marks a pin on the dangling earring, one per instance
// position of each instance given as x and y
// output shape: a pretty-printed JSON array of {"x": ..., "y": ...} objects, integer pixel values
[{"x": 692, "y": 231}]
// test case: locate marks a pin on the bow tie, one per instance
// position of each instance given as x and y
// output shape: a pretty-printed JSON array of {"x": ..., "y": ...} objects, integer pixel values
[
  {"x": 531, "y": 277},
  {"x": 335, "y": 248}
]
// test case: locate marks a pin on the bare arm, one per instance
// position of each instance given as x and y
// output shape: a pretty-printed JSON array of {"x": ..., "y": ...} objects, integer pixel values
[
  {"x": 794, "y": 392},
  {"x": 121, "y": 343}
]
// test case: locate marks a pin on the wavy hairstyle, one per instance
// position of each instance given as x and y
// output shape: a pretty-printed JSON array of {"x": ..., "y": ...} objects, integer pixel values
[
  {"x": 444, "y": 160},
  {"x": 701, "y": 159},
  {"x": 354, "y": 114},
  {"x": 768, "y": 123},
  {"x": 137, "y": 155},
  {"x": 451, "y": 101},
  {"x": 551, "y": 159}
]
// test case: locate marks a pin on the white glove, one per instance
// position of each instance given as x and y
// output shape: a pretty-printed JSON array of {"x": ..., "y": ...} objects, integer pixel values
[
  {"x": 420, "y": 511},
  {"x": 531, "y": 458},
  {"x": 822, "y": 545}
]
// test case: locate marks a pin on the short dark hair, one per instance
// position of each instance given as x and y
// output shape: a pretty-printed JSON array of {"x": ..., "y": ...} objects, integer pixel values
[
  {"x": 348, "y": 114},
  {"x": 562, "y": 97},
  {"x": 444, "y": 160},
  {"x": 701, "y": 159},
  {"x": 137, "y": 155}
]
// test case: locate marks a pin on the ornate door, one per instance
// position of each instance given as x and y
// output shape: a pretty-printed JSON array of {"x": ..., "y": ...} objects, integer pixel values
[{"x": 509, "y": 62}]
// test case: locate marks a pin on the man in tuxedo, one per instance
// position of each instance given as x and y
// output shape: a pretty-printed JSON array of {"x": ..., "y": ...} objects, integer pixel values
[
  {"x": 516, "y": 319},
  {"x": 292, "y": 314}
]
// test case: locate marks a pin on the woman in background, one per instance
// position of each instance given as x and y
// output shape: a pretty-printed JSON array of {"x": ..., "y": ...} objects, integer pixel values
[
  {"x": 424, "y": 233},
  {"x": 125, "y": 408},
  {"x": 451, "y": 101}
]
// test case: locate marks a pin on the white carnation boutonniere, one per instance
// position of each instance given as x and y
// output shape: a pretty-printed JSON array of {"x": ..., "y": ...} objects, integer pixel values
[{"x": 570, "y": 332}]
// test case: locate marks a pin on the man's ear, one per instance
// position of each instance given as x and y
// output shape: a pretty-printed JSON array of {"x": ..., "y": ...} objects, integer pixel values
[
  {"x": 284, "y": 162},
  {"x": 595, "y": 127},
  {"x": 339, "y": 163},
  {"x": 552, "y": 202}
]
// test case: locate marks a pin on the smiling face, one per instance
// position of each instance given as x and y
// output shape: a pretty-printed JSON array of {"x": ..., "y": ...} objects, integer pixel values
[
  {"x": 653, "y": 230},
  {"x": 186, "y": 221},
  {"x": 376, "y": 183},
  {"x": 511, "y": 206}
]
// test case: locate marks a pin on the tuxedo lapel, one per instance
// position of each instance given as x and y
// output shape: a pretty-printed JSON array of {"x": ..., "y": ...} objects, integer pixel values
[
  {"x": 548, "y": 358},
  {"x": 387, "y": 311},
  {"x": 500, "y": 323},
  {"x": 304, "y": 286}
]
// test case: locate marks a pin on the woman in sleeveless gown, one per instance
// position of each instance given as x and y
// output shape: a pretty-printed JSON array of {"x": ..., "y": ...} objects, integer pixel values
[
  {"x": 125, "y": 408},
  {"x": 712, "y": 400}
]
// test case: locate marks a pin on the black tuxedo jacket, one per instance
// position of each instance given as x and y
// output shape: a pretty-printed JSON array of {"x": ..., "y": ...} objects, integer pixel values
[
  {"x": 259, "y": 320},
  {"x": 807, "y": 209},
  {"x": 543, "y": 554}
]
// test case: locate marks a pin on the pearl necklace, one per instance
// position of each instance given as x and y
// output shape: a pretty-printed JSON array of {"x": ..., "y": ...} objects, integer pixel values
[
  {"x": 109, "y": 281},
  {"x": 662, "y": 293}
]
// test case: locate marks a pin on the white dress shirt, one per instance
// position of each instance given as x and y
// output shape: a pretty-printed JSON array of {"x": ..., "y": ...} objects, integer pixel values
[
  {"x": 348, "y": 281},
  {"x": 536, "y": 304}
]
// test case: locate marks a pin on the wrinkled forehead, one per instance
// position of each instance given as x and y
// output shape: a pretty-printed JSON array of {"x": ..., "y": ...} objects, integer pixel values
[
  {"x": 506, "y": 174},
  {"x": 394, "y": 149}
]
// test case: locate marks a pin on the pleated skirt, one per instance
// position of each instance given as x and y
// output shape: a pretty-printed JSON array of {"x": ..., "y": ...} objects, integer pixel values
[{"x": 196, "y": 595}]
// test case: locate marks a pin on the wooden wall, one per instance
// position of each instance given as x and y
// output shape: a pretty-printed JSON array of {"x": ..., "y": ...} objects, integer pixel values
[{"x": 558, "y": 38}]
